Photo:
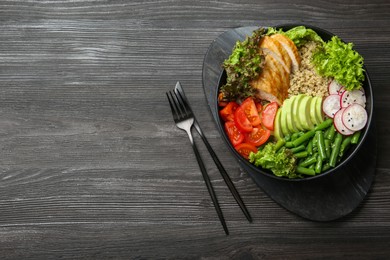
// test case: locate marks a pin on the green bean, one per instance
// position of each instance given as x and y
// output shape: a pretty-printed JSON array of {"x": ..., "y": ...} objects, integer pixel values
[
  {"x": 302, "y": 154},
  {"x": 335, "y": 150},
  {"x": 309, "y": 161},
  {"x": 331, "y": 133},
  {"x": 312, "y": 166},
  {"x": 287, "y": 138},
  {"x": 303, "y": 138},
  {"x": 324, "y": 124},
  {"x": 279, "y": 144},
  {"x": 294, "y": 136},
  {"x": 306, "y": 171},
  {"x": 305, "y": 143},
  {"x": 327, "y": 132},
  {"x": 309, "y": 147},
  {"x": 314, "y": 141},
  {"x": 327, "y": 147},
  {"x": 289, "y": 144},
  {"x": 298, "y": 149},
  {"x": 318, "y": 166},
  {"x": 345, "y": 145},
  {"x": 355, "y": 137},
  {"x": 321, "y": 144},
  {"x": 325, "y": 167}
]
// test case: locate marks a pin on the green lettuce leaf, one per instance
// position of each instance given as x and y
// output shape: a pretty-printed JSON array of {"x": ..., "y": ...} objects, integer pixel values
[
  {"x": 281, "y": 162},
  {"x": 300, "y": 35},
  {"x": 272, "y": 30},
  {"x": 338, "y": 60}
]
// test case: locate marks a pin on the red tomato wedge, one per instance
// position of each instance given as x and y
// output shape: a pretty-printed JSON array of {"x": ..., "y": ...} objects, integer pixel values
[
  {"x": 235, "y": 136},
  {"x": 242, "y": 122},
  {"x": 227, "y": 113},
  {"x": 268, "y": 115},
  {"x": 258, "y": 136},
  {"x": 251, "y": 112},
  {"x": 244, "y": 149}
]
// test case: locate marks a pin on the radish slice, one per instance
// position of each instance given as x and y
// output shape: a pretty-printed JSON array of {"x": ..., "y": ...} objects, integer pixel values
[
  {"x": 334, "y": 87},
  {"x": 341, "y": 91},
  {"x": 339, "y": 125},
  {"x": 331, "y": 105},
  {"x": 355, "y": 117},
  {"x": 353, "y": 97}
]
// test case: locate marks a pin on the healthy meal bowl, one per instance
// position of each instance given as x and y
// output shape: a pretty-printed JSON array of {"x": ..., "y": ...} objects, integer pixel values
[{"x": 294, "y": 102}]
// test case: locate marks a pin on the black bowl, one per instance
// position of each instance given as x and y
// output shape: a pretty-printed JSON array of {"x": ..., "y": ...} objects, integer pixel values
[{"x": 325, "y": 35}]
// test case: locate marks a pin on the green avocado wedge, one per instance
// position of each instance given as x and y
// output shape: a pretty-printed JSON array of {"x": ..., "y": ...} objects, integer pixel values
[
  {"x": 319, "y": 112},
  {"x": 290, "y": 118},
  {"x": 313, "y": 111},
  {"x": 283, "y": 118},
  {"x": 277, "y": 125},
  {"x": 295, "y": 111},
  {"x": 304, "y": 113}
]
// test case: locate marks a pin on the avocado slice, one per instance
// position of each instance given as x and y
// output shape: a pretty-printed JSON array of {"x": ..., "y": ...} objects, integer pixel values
[
  {"x": 304, "y": 113},
  {"x": 319, "y": 112},
  {"x": 277, "y": 125},
  {"x": 295, "y": 111},
  {"x": 290, "y": 120},
  {"x": 313, "y": 111},
  {"x": 283, "y": 119}
]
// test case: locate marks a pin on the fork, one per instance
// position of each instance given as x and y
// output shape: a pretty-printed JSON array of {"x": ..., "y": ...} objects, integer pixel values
[
  {"x": 184, "y": 119},
  {"x": 180, "y": 91}
]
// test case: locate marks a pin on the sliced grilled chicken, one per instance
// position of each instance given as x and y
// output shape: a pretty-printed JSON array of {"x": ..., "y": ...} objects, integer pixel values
[
  {"x": 274, "y": 80},
  {"x": 291, "y": 49},
  {"x": 275, "y": 48}
]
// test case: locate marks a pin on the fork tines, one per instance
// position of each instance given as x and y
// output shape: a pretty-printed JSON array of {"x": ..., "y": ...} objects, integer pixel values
[{"x": 179, "y": 107}]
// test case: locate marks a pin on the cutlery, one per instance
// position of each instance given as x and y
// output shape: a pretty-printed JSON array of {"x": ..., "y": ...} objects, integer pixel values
[
  {"x": 184, "y": 119},
  {"x": 180, "y": 91}
]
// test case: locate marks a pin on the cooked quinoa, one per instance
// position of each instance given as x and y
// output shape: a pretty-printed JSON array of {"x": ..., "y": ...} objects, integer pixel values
[{"x": 306, "y": 80}]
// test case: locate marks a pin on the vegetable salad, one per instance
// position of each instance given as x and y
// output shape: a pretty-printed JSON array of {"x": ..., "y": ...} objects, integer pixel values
[{"x": 302, "y": 135}]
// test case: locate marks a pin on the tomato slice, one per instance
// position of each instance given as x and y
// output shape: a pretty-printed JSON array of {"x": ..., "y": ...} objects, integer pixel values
[
  {"x": 235, "y": 136},
  {"x": 244, "y": 149},
  {"x": 227, "y": 113},
  {"x": 251, "y": 112},
  {"x": 258, "y": 136},
  {"x": 268, "y": 115},
  {"x": 242, "y": 122}
]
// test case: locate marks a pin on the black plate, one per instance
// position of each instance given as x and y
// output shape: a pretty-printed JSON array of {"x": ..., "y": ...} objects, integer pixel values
[{"x": 323, "y": 199}]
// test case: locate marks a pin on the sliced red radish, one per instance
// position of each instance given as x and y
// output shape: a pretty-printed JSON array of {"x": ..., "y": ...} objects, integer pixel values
[
  {"x": 334, "y": 87},
  {"x": 353, "y": 97},
  {"x": 341, "y": 90},
  {"x": 355, "y": 117},
  {"x": 331, "y": 105},
  {"x": 339, "y": 125}
]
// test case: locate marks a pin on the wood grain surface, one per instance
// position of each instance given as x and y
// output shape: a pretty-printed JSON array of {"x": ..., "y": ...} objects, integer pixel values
[{"x": 92, "y": 165}]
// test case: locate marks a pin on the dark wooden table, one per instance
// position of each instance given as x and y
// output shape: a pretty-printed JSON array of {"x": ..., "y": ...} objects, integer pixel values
[{"x": 92, "y": 165}]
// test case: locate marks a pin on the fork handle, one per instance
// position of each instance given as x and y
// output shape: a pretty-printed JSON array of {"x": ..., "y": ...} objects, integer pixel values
[
  {"x": 224, "y": 174},
  {"x": 208, "y": 183}
]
